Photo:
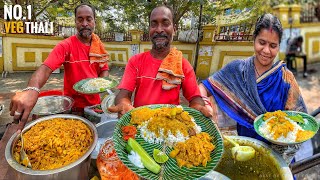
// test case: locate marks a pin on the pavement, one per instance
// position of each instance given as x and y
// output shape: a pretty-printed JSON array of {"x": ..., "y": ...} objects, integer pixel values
[{"x": 12, "y": 82}]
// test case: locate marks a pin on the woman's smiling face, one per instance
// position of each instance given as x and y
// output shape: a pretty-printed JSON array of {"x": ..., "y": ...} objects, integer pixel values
[{"x": 266, "y": 46}]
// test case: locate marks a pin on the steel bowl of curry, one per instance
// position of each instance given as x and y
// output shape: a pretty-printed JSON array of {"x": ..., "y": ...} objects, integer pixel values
[
  {"x": 266, "y": 164},
  {"x": 58, "y": 147}
]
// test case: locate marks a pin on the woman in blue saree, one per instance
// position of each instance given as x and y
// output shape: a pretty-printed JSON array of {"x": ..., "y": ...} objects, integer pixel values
[{"x": 244, "y": 89}]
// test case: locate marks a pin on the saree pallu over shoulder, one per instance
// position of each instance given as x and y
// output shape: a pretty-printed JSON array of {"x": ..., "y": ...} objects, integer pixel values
[
  {"x": 234, "y": 90},
  {"x": 292, "y": 99},
  {"x": 295, "y": 101},
  {"x": 276, "y": 66},
  {"x": 272, "y": 88},
  {"x": 229, "y": 103}
]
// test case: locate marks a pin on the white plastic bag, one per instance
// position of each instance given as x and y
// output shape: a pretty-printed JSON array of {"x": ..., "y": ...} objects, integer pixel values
[{"x": 190, "y": 36}]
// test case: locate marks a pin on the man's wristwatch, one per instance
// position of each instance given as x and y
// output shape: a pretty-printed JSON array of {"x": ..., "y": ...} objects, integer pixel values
[{"x": 31, "y": 88}]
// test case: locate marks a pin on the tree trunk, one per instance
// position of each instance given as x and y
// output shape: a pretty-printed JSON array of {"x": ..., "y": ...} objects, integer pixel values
[{"x": 317, "y": 12}]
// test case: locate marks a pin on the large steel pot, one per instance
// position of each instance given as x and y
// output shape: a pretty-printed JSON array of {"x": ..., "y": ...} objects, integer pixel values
[
  {"x": 228, "y": 166},
  {"x": 105, "y": 131},
  {"x": 76, "y": 170}
]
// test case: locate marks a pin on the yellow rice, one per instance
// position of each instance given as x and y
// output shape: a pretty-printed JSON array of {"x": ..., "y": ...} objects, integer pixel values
[{"x": 55, "y": 143}]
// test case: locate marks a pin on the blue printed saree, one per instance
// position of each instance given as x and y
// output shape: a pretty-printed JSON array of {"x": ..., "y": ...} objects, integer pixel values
[{"x": 240, "y": 96}]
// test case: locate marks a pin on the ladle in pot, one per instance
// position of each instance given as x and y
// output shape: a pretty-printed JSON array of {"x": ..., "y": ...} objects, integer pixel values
[
  {"x": 241, "y": 153},
  {"x": 23, "y": 155}
]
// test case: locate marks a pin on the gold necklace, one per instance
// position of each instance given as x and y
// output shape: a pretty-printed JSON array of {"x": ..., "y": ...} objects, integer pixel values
[{"x": 255, "y": 68}]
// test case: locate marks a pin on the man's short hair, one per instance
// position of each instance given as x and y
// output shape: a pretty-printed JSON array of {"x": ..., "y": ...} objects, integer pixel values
[
  {"x": 85, "y": 4},
  {"x": 299, "y": 39},
  {"x": 166, "y": 6}
]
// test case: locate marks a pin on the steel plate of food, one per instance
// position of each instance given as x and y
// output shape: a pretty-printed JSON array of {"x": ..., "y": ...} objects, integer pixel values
[{"x": 94, "y": 85}]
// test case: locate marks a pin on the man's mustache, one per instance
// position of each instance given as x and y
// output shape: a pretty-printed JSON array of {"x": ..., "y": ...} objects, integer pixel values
[
  {"x": 159, "y": 36},
  {"x": 85, "y": 29}
]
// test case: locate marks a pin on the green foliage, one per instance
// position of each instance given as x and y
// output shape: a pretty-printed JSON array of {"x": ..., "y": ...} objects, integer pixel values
[
  {"x": 135, "y": 14},
  {"x": 254, "y": 7},
  {"x": 122, "y": 15}
]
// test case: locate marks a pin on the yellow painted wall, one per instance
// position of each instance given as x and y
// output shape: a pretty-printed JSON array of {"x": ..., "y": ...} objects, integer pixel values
[
  {"x": 27, "y": 52},
  {"x": 315, "y": 47},
  {"x": 214, "y": 55},
  {"x": 311, "y": 36},
  {"x": 309, "y": 31},
  {"x": 188, "y": 50},
  {"x": 225, "y": 52},
  {"x": 15, "y": 47},
  {"x": 1, "y": 64},
  {"x": 119, "y": 52}
]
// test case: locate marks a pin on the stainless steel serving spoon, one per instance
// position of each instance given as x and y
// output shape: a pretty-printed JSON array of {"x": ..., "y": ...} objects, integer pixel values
[
  {"x": 241, "y": 153},
  {"x": 23, "y": 155}
]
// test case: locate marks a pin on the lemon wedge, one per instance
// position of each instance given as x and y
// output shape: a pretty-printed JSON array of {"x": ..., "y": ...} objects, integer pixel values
[
  {"x": 159, "y": 156},
  {"x": 241, "y": 153}
]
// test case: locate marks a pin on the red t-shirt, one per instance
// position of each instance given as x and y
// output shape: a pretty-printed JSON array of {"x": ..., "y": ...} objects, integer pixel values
[
  {"x": 74, "y": 55},
  {"x": 140, "y": 75}
]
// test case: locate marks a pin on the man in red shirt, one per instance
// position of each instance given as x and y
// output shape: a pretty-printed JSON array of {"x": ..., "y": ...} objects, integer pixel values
[
  {"x": 73, "y": 53},
  {"x": 142, "y": 71}
]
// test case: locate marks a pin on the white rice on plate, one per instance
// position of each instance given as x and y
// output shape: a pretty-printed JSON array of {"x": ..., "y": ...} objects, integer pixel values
[
  {"x": 171, "y": 138},
  {"x": 291, "y": 136},
  {"x": 96, "y": 84}
]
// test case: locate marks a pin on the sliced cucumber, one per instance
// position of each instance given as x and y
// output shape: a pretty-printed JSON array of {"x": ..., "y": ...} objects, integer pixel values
[
  {"x": 297, "y": 118},
  {"x": 128, "y": 149},
  {"x": 147, "y": 160}
]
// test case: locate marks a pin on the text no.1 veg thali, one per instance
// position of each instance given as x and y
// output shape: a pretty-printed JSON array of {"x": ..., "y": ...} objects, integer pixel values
[{"x": 171, "y": 169}]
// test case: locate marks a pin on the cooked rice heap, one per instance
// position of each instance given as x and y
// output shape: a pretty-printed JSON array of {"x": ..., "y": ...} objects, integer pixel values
[
  {"x": 96, "y": 84},
  {"x": 166, "y": 124},
  {"x": 278, "y": 126},
  {"x": 194, "y": 151},
  {"x": 55, "y": 143}
]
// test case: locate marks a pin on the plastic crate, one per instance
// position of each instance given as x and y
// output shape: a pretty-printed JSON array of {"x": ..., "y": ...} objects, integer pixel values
[{"x": 95, "y": 117}]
